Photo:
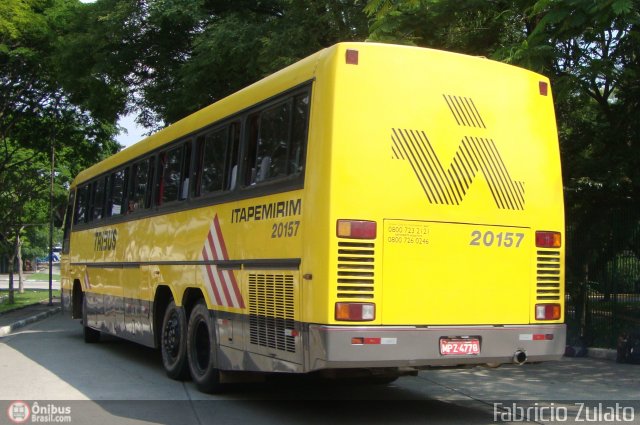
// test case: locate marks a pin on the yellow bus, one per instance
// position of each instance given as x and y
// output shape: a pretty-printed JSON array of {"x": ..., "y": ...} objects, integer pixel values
[{"x": 368, "y": 211}]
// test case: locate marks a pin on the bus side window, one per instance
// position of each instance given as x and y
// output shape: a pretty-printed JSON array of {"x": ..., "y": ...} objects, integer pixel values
[
  {"x": 271, "y": 156},
  {"x": 231, "y": 157},
  {"x": 168, "y": 182},
  {"x": 116, "y": 197},
  {"x": 212, "y": 148},
  {"x": 296, "y": 154},
  {"x": 185, "y": 169},
  {"x": 139, "y": 182},
  {"x": 276, "y": 139},
  {"x": 97, "y": 199},
  {"x": 249, "y": 160},
  {"x": 82, "y": 201}
]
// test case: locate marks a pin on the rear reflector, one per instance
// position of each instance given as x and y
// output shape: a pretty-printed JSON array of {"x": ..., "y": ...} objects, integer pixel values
[
  {"x": 548, "y": 311},
  {"x": 356, "y": 229},
  {"x": 358, "y": 340},
  {"x": 355, "y": 311},
  {"x": 548, "y": 239}
]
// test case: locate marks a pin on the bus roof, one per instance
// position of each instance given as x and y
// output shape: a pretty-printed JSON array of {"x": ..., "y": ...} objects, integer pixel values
[{"x": 289, "y": 77}]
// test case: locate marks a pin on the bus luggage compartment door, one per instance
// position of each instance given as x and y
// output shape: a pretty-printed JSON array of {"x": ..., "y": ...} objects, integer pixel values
[{"x": 437, "y": 273}]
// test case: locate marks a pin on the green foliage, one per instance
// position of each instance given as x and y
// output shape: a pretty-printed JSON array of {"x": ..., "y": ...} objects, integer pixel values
[
  {"x": 39, "y": 108},
  {"x": 168, "y": 58}
]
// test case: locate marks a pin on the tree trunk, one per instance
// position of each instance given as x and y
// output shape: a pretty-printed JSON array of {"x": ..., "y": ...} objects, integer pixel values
[
  {"x": 19, "y": 257},
  {"x": 11, "y": 298}
]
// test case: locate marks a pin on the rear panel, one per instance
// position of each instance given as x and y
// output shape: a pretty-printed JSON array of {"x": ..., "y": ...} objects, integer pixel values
[{"x": 456, "y": 159}]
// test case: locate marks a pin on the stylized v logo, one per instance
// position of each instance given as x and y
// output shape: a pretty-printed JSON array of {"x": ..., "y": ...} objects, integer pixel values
[{"x": 474, "y": 155}]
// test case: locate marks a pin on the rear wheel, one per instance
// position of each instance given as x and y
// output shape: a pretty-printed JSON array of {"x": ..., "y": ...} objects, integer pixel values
[
  {"x": 201, "y": 350},
  {"x": 90, "y": 335},
  {"x": 173, "y": 342}
]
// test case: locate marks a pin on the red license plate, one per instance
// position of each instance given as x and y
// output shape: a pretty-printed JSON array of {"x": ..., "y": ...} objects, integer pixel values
[{"x": 459, "y": 346}]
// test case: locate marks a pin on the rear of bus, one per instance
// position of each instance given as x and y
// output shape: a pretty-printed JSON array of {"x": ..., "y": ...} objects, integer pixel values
[{"x": 445, "y": 211}]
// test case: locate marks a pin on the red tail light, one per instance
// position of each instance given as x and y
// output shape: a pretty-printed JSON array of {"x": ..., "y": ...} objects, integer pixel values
[
  {"x": 356, "y": 229},
  {"x": 548, "y": 239}
]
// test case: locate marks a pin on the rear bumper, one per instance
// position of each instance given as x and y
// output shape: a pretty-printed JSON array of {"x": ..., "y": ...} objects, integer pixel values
[{"x": 402, "y": 346}]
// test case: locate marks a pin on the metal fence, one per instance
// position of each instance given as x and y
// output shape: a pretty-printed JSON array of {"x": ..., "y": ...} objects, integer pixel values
[{"x": 603, "y": 278}]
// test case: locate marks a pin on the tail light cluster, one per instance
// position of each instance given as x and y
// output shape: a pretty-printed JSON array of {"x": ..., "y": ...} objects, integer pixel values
[
  {"x": 361, "y": 312},
  {"x": 548, "y": 311},
  {"x": 548, "y": 239}
]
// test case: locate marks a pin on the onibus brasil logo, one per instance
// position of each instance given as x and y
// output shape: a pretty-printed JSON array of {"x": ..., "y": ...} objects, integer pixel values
[{"x": 19, "y": 412}]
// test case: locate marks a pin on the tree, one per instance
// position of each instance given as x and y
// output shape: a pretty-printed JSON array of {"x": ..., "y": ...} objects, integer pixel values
[
  {"x": 37, "y": 113},
  {"x": 177, "y": 56}
]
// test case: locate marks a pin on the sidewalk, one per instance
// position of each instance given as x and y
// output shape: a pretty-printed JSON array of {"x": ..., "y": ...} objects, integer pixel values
[{"x": 16, "y": 319}]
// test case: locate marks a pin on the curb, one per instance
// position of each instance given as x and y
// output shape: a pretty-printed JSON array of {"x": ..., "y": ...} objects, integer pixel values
[
  {"x": 6, "y": 330},
  {"x": 602, "y": 353}
]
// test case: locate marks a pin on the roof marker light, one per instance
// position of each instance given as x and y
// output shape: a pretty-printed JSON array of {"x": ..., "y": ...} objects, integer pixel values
[
  {"x": 352, "y": 57},
  {"x": 543, "y": 87}
]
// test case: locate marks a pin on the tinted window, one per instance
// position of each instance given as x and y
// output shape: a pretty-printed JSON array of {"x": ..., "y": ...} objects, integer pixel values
[
  {"x": 139, "y": 196},
  {"x": 117, "y": 182},
  {"x": 276, "y": 139},
  {"x": 213, "y": 161},
  {"x": 296, "y": 154},
  {"x": 217, "y": 158},
  {"x": 271, "y": 156},
  {"x": 169, "y": 173},
  {"x": 97, "y": 200},
  {"x": 82, "y": 205}
]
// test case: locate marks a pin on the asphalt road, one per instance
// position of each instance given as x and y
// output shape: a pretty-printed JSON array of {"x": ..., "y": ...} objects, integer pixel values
[{"x": 49, "y": 367}]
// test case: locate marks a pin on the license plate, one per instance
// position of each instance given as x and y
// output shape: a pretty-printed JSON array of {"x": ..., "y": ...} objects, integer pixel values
[{"x": 459, "y": 346}]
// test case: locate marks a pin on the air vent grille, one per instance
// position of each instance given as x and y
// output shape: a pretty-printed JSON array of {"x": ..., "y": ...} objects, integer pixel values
[
  {"x": 355, "y": 270},
  {"x": 271, "y": 311},
  {"x": 548, "y": 275}
]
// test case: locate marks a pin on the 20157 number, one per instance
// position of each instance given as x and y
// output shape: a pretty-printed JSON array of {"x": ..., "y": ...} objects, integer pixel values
[
  {"x": 285, "y": 230},
  {"x": 501, "y": 239}
]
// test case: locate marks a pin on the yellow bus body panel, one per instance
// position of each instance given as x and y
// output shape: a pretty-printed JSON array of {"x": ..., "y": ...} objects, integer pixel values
[
  {"x": 454, "y": 157},
  {"x": 460, "y": 145}
]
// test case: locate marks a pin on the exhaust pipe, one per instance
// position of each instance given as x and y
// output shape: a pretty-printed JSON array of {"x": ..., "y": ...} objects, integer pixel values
[{"x": 520, "y": 357}]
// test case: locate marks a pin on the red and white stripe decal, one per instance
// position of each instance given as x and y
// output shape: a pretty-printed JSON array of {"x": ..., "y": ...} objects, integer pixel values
[{"x": 223, "y": 284}]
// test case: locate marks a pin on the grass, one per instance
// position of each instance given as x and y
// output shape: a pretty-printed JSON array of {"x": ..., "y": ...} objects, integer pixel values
[
  {"x": 40, "y": 276},
  {"x": 21, "y": 300}
]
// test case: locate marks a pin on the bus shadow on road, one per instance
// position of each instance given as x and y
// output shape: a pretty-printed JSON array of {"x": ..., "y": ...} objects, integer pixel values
[{"x": 124, "y": 381}]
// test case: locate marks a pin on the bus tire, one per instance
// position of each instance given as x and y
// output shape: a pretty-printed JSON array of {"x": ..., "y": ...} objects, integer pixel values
[
  {"x": 201, "y": 350},
  {"x": 91, "y": 335},
  {"x": 173, "y": 342}
]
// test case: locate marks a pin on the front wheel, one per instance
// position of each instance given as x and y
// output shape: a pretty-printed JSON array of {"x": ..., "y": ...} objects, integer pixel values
[
  {"x": 201, "y": 350},
  {"x": 173, "y": 342}
]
